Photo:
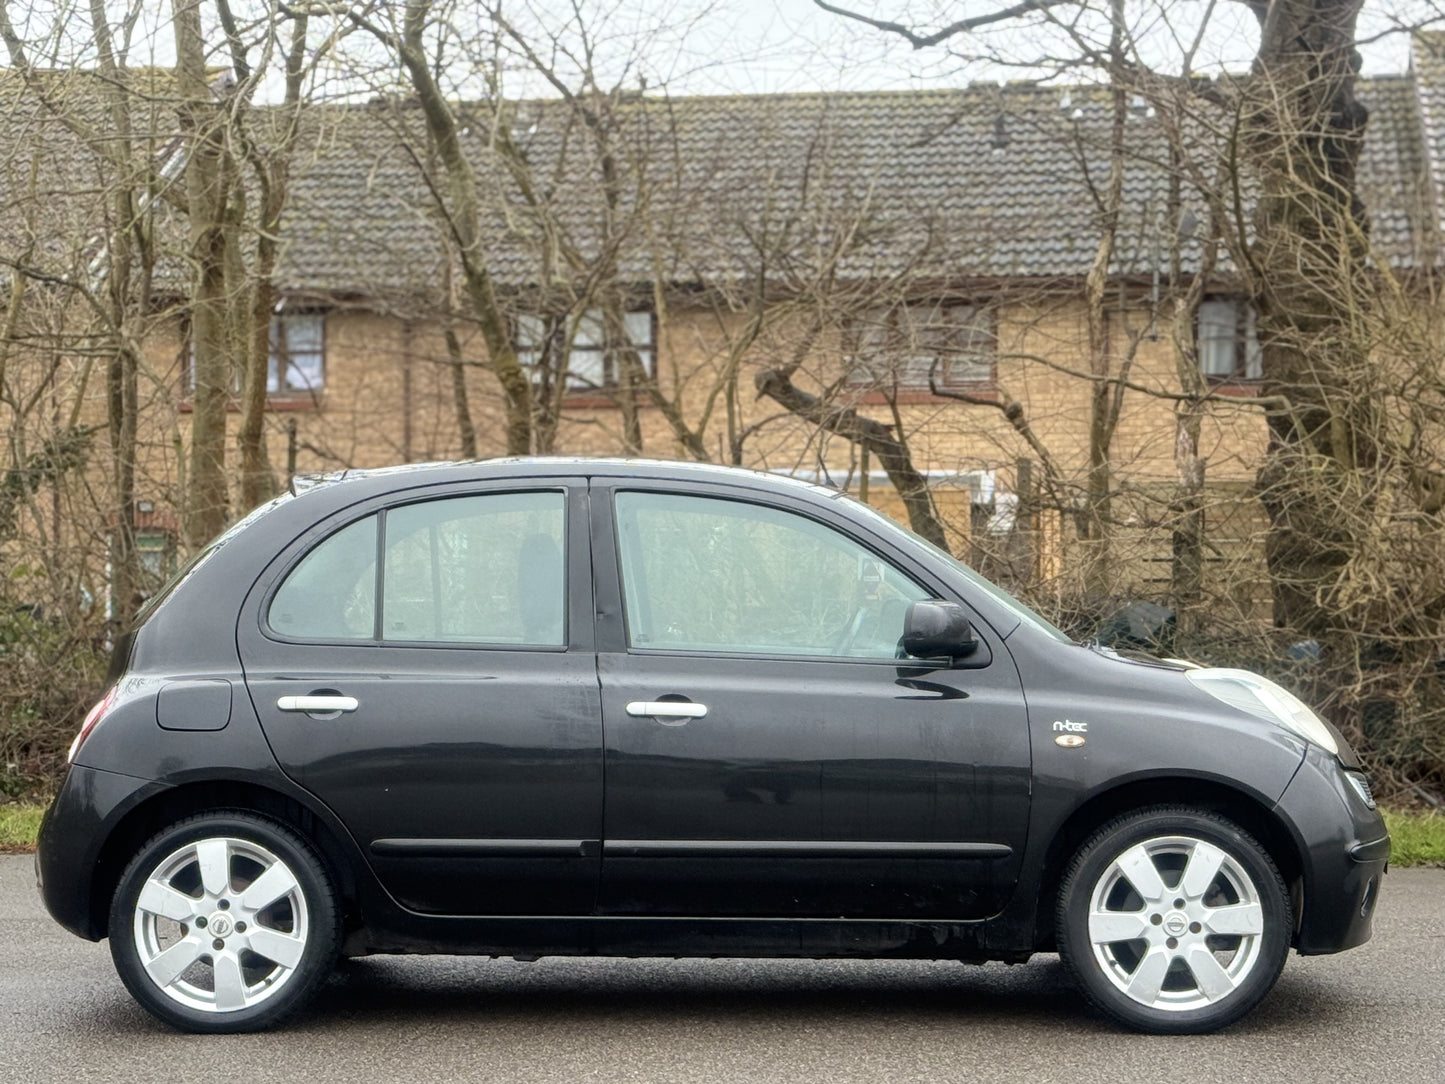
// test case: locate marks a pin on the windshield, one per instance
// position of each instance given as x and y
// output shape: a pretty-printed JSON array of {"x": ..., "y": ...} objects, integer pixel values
[{"x": 977, "y": 582}]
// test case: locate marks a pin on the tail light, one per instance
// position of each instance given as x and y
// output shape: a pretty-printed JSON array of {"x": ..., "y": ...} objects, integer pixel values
[{"x": 92, "y": 720}]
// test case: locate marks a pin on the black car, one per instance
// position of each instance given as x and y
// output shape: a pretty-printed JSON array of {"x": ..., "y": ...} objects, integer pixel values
[{"x": 624, "y": 708}]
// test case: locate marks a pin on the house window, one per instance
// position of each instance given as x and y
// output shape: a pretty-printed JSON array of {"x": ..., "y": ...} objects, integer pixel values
[
  {"x": 297, "y": 363},
  {"x": 905, "y": 345},
  {"x": 595, "y": 359},
  {"x": 298, "y": 354},
  {"x": 155, "y": 551},
  {"x": 1228, "y": 343}
]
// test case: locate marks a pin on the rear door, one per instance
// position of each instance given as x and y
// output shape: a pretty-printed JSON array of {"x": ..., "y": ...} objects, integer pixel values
[
  {"x": 425, "y": 667},
  {"x": 767, "y": 751}
]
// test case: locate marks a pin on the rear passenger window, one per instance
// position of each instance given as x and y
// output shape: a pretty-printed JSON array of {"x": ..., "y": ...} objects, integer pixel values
[
  {"x": 487, "y": 569},
  {"x": 476, "y": 569}
]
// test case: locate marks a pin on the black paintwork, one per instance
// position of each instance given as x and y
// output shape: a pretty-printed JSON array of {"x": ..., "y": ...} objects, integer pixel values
[{"x": 501, "y": 800}]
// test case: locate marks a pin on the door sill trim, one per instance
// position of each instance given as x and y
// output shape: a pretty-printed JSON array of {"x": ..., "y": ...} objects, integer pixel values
[
  {"x": 787, "y": 848},
  {"x": 485, "y": 848}
]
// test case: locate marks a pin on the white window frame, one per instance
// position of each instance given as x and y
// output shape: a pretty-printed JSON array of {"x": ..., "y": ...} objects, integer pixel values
[
  {"x": 591, "y": 361},
  {"x": 304, "y": 370},
  {"x": 308, "y": 380},
  {"x": 901, "y": 346},
  {"x": 1227, "y": 340}
]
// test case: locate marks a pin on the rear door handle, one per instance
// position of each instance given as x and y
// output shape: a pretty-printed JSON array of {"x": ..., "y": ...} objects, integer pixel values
[
  {"x": 666, "y": 709},
  {"x": 316, "y": 704}
]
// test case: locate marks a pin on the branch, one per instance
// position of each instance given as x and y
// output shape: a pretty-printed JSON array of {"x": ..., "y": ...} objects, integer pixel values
[
  {"x": 1014, "y": 413},
  {"x": 13, "y": 45},
  {"x": 1268, "y": 402},
  {"x": 963, "y": 26},
  {"x": 239, "y": 64},
  {"x": 892, "y": 452}
]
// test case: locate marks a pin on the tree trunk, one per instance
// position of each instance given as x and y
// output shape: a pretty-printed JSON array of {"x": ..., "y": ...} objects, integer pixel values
[
  {"x": 213, "y": 366},
  {"x": 273, "y": 171},
  {"x": 1186, "y": 579},
  {"x": 463, "y": 221},
  {"x": 258, "y": 481},
  {"x": 126, "y": 316},
  {"x": 1105, "y": 399},
  {"x": 1302, "y": 131},
  {"x": 466, "y": 430},
  {"x": 628, "y": 371},
  {"x": 122, "y": 418}
]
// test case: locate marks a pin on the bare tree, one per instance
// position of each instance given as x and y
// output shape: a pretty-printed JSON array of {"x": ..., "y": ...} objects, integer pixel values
[
  {"x": 1302, "y": 130},
  {"x": 115, "y": 282},
  {"x": 238, "y": 163},
  {"x": 1298, "y": 133},
  {"x": 271, "y": 165},
  {"x": 210, "y": 183},
  {"x": 461, "y": 204}
]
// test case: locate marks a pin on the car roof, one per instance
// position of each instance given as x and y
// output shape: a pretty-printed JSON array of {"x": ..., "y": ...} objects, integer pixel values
[{"x": 411, "y": 474}]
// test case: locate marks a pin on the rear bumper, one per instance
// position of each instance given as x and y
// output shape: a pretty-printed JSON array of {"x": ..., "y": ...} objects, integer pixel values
[
  {"x": 68, "y": 869},
  {"x": 1344, "y": 850}
]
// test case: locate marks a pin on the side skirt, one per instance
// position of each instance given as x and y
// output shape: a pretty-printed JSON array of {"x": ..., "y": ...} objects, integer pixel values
[{"x": 531, "y": 938}]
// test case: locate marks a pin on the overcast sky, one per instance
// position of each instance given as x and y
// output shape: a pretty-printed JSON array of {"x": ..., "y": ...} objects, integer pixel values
[
  {"x": 754, "y": 46},
  {"x": 757, "y": 46}
]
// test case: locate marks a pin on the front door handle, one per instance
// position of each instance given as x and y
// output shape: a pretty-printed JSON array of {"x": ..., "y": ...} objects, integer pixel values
[
  {"x": 666, "y": 709},
  {"x": 317, "y": 704}
]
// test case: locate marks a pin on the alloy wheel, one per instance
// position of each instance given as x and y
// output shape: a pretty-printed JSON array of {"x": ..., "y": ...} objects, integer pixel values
[
  {"x": 1175, "y": 923},
  {"x": 221, "y": 924}
]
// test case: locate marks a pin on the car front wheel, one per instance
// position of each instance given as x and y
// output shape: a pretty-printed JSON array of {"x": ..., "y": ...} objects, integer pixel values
[
  {"x": 224, "y": 922},
  {"x": 1173, "y": 920}
]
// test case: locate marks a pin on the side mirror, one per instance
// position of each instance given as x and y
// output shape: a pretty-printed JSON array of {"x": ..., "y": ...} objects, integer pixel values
[{"x": 933, "y": 627}]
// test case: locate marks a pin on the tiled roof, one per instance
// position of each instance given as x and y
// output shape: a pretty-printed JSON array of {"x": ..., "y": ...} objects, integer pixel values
[
  {"x": 1428, "y": 68},
  {"x": 977, "y": 183},
  {"x": 980, "y": 183},
  {"x": 55, "y": 190}
]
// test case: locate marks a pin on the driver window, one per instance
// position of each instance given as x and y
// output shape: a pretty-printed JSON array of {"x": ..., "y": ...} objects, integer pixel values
[{"x": 701, "y": 574}]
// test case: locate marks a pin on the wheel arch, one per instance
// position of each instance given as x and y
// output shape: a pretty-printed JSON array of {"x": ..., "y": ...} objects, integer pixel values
[
  {"x": 176, "y": 803},
  {"x": 1244, "y": 809}
]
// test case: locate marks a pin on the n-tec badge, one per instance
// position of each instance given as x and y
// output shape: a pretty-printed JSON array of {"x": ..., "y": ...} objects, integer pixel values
[
  {"x": 1070, "y": 741},
  {"x": 1070, "y": 726}
]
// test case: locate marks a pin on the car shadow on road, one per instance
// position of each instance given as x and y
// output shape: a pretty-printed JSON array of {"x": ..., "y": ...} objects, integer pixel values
[
  {"x": 404, "y": 993},
  {"x": 563, "y": 991}
]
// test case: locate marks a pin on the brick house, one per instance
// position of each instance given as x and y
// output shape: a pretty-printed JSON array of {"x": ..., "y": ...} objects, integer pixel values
[{"x": 889, "y": 244}]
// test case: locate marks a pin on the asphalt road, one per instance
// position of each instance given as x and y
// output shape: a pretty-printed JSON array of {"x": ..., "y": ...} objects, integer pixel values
[{"x": 1374, "y": 1014}]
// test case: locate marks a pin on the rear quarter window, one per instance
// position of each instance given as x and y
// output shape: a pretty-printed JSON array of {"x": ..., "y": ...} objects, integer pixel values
[{"x": 331, "y": 594}]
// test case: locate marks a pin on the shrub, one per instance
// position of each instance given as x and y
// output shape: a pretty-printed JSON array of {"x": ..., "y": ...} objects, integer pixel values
[{"x": 50, "y": 673}]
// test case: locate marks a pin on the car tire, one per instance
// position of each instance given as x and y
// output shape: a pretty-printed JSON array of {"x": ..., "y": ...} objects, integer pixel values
[
  {"x": 1173, "y": 920},
  {"x": 224, "y": 922}
]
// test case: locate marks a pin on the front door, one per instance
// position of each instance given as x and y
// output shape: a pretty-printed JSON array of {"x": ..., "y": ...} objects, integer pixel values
[
  {"x": 767, "y": 751},
  {"x": 426, "y": 670}
]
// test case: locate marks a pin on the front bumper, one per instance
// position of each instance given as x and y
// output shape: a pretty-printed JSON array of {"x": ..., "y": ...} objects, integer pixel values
[
  {"x": 1344, "y": 850},
  {"x": 69, "y": 849}
]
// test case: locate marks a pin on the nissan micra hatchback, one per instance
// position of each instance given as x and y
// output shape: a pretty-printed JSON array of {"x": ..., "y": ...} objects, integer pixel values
[{"x": 625, "y": 708}]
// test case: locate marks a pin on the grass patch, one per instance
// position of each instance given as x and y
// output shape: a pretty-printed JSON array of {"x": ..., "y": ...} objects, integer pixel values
[
  {"x": 1416, "y": 839},
  {"x": 19, "y": 825}
]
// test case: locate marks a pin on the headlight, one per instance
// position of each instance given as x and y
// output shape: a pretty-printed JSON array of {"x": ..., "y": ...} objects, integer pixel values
[
  {"x": 1361, "y": 786},
  {"x": 1263, "y": 698}
]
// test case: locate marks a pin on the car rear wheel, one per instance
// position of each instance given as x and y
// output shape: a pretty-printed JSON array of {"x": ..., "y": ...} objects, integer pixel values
[
  {"x": 1173, "y": 920},
  {"x": 224, "y": 922}
]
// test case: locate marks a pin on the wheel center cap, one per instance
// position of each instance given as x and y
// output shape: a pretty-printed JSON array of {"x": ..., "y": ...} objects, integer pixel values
[
  {"x": 1175, "y": 923},
  {"x": 220, "y": 924}
]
